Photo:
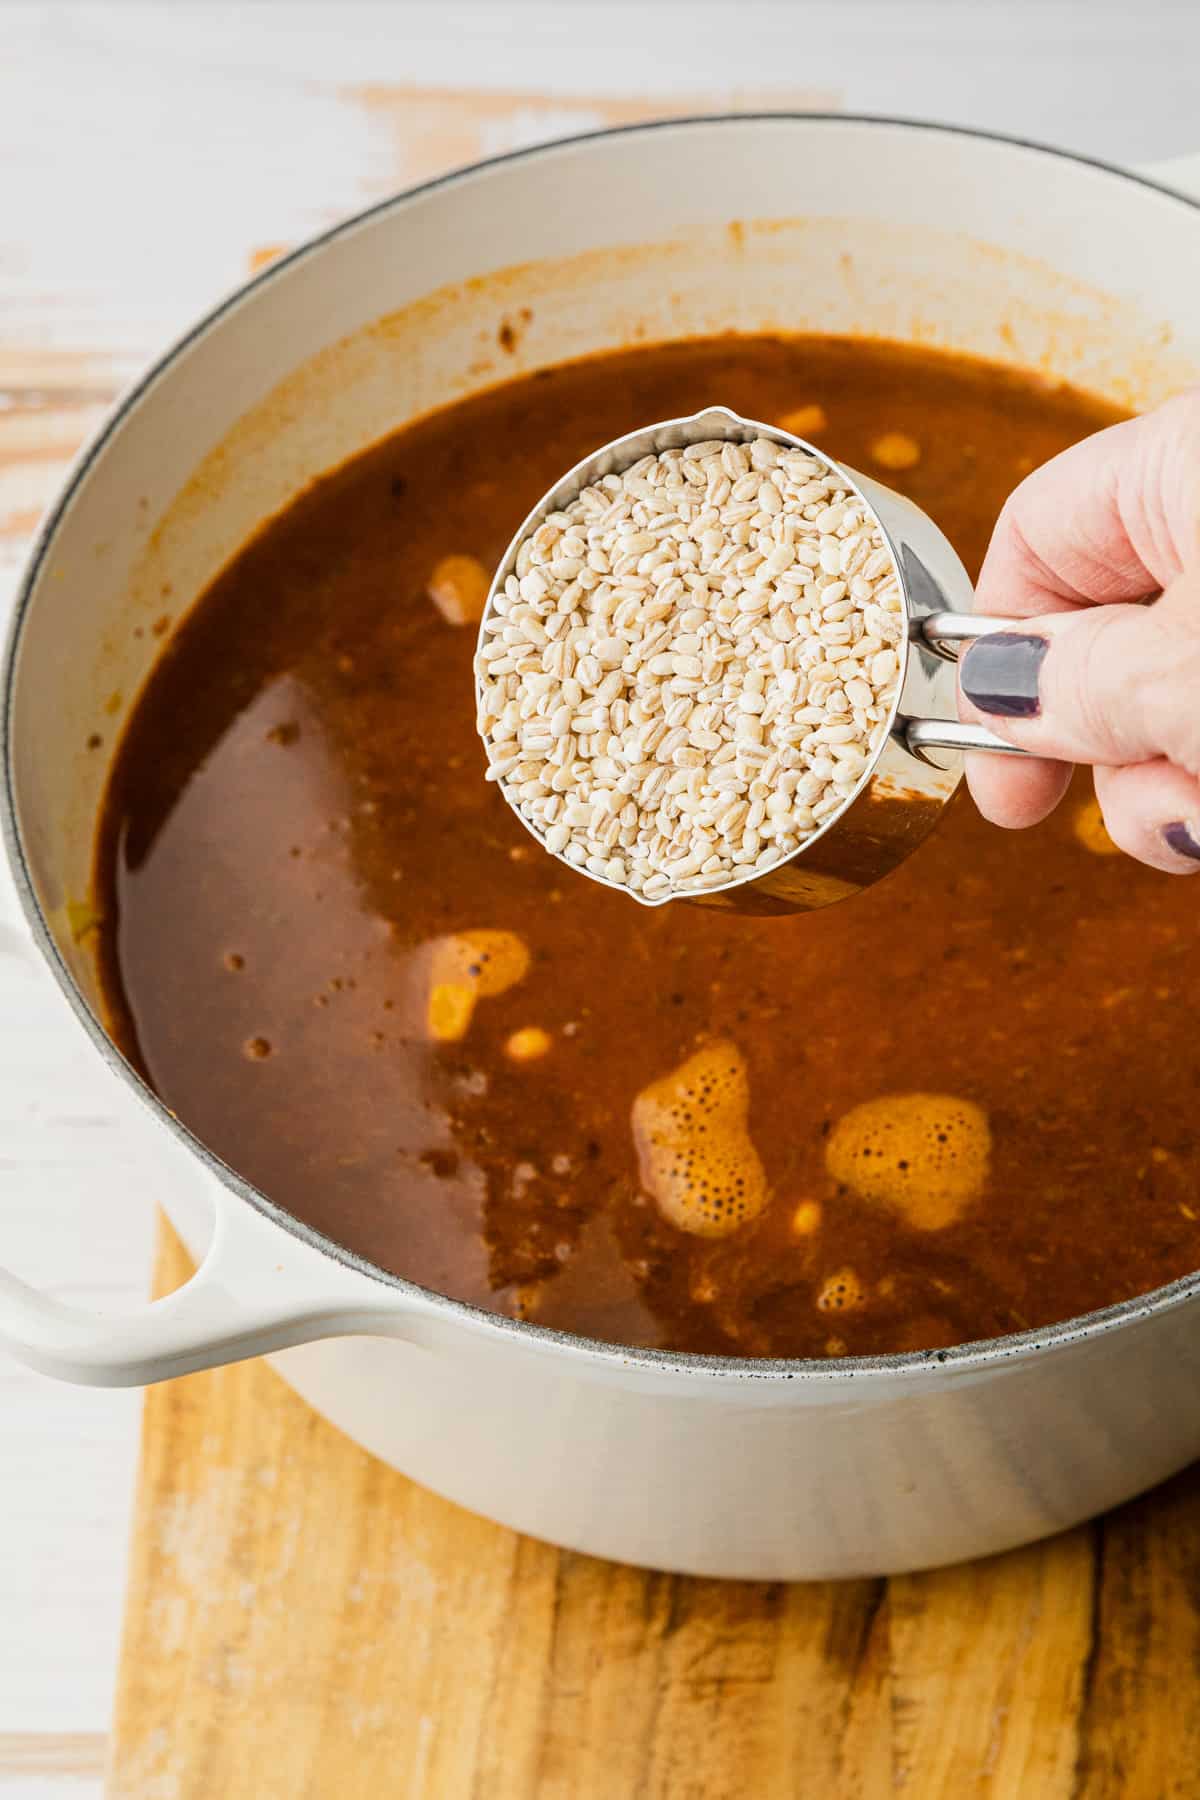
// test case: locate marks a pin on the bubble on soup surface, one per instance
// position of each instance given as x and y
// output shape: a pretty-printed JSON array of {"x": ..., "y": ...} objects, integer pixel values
[
  {"x": 806, "y": 1219},
  {"x": 1090, "y": 829},
  {"x": 841, "y": 1292},
  {"x": 896, "y": 450},
  {"x": 527, "y": 1045},
  {"x": 804, "y": 421},
  {"x": 925, "y": 1156},
  {"x": 467, "y": 966},
  {"x": 451, "y": 1009},
  {"x": 695, "y": 1153},
  {"x": 458, "y": 588}
]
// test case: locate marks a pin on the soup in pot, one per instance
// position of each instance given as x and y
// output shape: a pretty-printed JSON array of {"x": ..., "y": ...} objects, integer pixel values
[{"x": 959, "y": 1105}]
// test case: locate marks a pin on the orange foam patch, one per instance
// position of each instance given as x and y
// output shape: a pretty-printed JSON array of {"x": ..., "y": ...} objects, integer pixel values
[
  {"x": 804, "y": 421},
  {"x": 458, "y": 588},
  {"x": 806, "y": 1219},
  {"x": 1091, "y": 830},
  {"x": 896, "y": 450},
  {"x": 841, "y": 1292},
  {"x": 467, "y": 966},
  {"x": 695, "y": 1152},
  {"x": 529, "y": 1044},
  {"x": 924, "y": 1156}
]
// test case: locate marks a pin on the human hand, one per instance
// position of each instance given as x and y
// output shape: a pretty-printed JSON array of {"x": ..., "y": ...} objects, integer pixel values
[{"x": 1095, "y": 669}]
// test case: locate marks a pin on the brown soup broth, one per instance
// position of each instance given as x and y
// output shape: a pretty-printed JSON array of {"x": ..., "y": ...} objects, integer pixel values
[{"x": 297, "y": 811}]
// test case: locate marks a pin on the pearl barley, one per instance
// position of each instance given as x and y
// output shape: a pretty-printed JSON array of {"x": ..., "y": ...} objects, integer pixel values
[{"x": 692, "y": 666}]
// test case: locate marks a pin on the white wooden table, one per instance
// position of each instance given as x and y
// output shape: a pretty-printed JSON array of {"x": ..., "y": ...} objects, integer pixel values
[{"x": 146, "y": 152}]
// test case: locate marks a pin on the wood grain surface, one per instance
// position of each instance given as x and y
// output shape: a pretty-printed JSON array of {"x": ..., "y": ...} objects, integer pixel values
[{"x": 304, "y": 1623}]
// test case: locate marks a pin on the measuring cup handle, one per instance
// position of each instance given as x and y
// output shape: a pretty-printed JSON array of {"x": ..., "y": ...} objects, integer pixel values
[
  {"x": 921, "y": 735},
  {"x": 943, "y": 632}
]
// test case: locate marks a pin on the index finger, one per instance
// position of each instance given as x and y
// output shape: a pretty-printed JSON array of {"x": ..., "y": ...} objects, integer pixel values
[
  {"x": 1110, "y": 519},
  {"x": 1102, "y": 522}
]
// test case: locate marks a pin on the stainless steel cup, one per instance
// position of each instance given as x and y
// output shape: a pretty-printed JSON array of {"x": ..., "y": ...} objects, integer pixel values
[{"x": 920, "y": 762}]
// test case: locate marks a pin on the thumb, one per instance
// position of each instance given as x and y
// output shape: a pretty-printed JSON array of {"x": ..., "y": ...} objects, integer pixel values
[{"x": 1108, "y": 685}]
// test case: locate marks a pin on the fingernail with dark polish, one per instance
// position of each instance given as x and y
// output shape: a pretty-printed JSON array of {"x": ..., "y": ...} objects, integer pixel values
[
  {"x": 1182, "y": 838},
  {"x": 1000, "y": 674}
]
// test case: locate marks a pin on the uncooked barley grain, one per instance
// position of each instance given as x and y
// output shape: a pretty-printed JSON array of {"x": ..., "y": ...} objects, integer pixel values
[{"x": 692, "y": 665}]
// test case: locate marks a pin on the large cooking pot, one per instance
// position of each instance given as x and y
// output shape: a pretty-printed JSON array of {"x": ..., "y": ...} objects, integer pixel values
[{"x": 722, "y": 1467}]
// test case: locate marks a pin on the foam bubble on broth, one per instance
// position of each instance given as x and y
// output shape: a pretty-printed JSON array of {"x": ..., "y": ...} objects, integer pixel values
[
  {"x": 466, "y": 966},
  {"x": 842, "y": 1291},
  {"x": 1090, "y": 829},
  {"x": 458, "y": 588},
  {"x": 696, "y": 1156},
  {"x": 924, "y": 1156}
]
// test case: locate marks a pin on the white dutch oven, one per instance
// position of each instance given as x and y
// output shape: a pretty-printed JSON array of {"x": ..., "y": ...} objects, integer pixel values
[{"x": 764, "y": 1469}]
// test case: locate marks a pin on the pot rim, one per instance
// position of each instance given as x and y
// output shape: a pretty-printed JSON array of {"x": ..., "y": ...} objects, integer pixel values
[{"x": 960, "y": 1357}]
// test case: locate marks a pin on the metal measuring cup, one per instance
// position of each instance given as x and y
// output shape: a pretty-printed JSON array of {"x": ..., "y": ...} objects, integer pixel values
[{"x": 920, "y": 761}]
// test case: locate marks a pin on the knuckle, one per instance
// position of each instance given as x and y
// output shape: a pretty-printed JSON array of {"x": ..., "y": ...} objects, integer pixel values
[
  {"x": 1091, "y": 683},
  {"x": 1173, "y": 696},
  {"x": 1185, "y": 749},
  {"x": 1129, "y": 687}
]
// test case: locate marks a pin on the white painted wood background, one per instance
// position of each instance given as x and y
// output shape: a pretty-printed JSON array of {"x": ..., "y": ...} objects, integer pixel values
[{"x": 146, "y": 152}]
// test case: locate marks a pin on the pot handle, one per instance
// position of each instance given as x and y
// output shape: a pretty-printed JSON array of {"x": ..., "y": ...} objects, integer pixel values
[
  {"x": 251, "y": 1295},
  {"x": 258, "y": 1289}
]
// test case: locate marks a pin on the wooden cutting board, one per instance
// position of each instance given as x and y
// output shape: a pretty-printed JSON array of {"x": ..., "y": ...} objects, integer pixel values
[{"x": 306, "y": 1624}]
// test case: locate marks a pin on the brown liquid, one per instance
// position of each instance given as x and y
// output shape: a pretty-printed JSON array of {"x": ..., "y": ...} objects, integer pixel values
[{"x": 298, "y": 807}]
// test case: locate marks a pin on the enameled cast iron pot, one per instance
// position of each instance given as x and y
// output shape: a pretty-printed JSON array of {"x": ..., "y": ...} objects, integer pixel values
[{"x": 763, "y": 1469}]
